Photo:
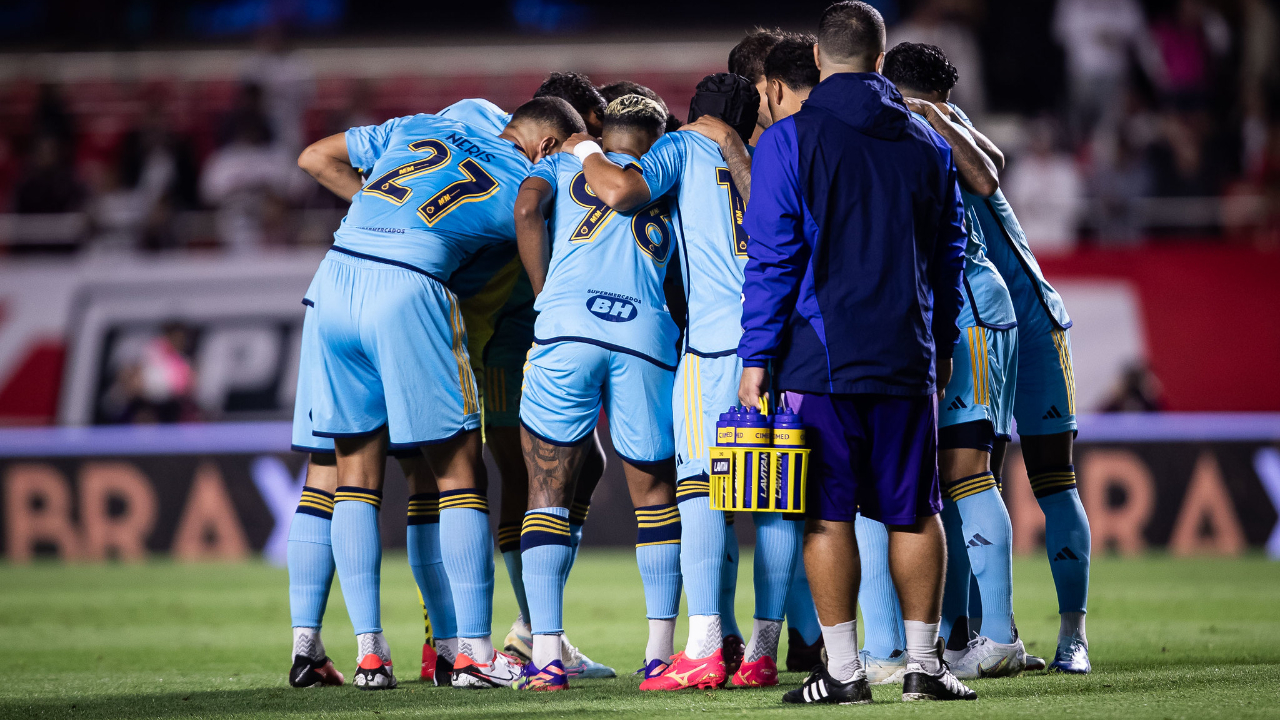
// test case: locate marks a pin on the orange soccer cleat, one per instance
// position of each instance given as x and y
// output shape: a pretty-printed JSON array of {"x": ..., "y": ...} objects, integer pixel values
[{"x": 684, "y": 673}]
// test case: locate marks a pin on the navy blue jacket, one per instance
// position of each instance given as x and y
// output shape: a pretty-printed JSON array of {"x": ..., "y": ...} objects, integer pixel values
[{"x": 856, "y": 245}]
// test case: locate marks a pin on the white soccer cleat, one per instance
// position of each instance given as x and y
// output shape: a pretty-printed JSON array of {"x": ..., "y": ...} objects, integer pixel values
[
  {"x": 577, "y": 664},
  {"x": 884, "y": 671},
  {"x": 500, "y": 671},
  {"x": 986, "y": 658}
]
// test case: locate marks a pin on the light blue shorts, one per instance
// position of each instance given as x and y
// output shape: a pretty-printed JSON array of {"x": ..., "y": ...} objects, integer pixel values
[
  {"x": 389, "y": 348},
  {"x": 303, "y": 440},
  {"x": 566, "y": 383},
  {"x": 1045, "y": 400},
  {"x": 705, "y": 387},
  {"x": 984, "y": 371}
]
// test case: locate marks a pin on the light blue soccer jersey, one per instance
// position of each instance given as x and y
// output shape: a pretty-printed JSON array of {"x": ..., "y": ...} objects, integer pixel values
[
  {"x": 478, "y": 112},
  {"x": 439, "y": 191},
  {"x": 986, "y": 297},
  {"x": 1008, "y": 251},
  {"x": 604, "y": 285},
  {"x": 708, "y": 218}
]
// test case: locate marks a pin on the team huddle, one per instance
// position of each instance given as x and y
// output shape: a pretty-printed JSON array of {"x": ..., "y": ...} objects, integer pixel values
[{"x": 502, "y": 279}]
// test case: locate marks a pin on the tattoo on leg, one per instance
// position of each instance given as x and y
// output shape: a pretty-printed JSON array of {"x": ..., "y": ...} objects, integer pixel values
[{"x": 550, "y": 468}]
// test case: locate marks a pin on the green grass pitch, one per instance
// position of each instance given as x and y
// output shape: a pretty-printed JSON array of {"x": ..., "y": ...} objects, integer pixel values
[{"x": 1170, "y": 639}]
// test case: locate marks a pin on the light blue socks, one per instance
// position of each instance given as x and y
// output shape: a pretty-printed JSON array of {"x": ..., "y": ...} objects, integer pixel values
[
  {"x": 881, "y": 613},
  {"x": 310, "y": 558},
  {"x": 357, "y": 555},
  {"x": 467, "y": 550}
]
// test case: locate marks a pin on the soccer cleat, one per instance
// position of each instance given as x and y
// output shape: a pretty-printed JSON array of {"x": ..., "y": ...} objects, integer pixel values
[
  {"x": 821, "y": 688},
  {"x": 519, "y": 642},
  {"x": 307, "y": 673},
  {"x": 734, "y": 650},
  {"x": 435, "y": 668},
  {"x": 761, "y": 673},
  {"x": 884, "y": 671},
  {"x": 652, "y": 669},
  {"x": 919, "y": 684},
  {"x": 1072, "y": 657},
  {"x": 500, "y": 671},
  {"x": 549, "y": 679},
  {"x": 985, "y": 658},
  {"x": 579, "y": 665},
  {"x": 374, "y": 674},
  {"x": 801, "y": 657},
  {"x": 703, "y": 673},
  {"x": 1035, "y": 664}
]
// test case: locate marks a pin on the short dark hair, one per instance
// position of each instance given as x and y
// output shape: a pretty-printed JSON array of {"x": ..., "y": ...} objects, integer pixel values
[
  {"x": 552, "y": 112},
  {"x": 851, "y": 31},
  {"x": 636, "y": 112},
  {"x": 920, "y": 67},
  {"x": 673, "y": 123},
  {"x": 615, "y": 90},
  {"x": 791, "y": 61},
  {"x": 574, "y": 88},
  {"x": 732, "y": 98},
  {"x": 747, "y": 57}
]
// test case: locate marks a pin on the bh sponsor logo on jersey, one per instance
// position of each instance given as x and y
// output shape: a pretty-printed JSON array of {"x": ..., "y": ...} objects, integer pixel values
[{"x": 611, "y": 307}]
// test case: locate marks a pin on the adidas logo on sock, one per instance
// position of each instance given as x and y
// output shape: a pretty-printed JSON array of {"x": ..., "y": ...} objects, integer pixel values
[
  {"x": 1053, "y": 413},
  {"x": 977, "y": 541},
  {"x": 957, "y": 404},
  {"x": 1065, "y": 554}
]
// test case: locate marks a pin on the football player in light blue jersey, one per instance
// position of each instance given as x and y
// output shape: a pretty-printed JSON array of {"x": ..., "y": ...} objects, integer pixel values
[
  {"x": 976, "y": 410},
  {"x": 705, "y": 176},
  {"x": 604, "y": 337},
  {"x": 499, "y": 317},
  {"x": 1044, "y": 395},
  {"x": 390, "y": 365}
]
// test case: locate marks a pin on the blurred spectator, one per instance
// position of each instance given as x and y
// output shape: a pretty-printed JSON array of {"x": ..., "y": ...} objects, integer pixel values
[
  {"x": 288, "y": 83},
  {"x": 1192, "y": 158},
  {"x": 1045, "y": 185},
  {"x": 1098, "y": 37},
  {"x": 49, "y": 183},
  {"x": 1259, "y": 74},
  {"x": 948, "y": 24},
  {"x": 1139, "y": 391},
  {"x": 158, "y": 385},
  {"x": 251, "y": 180},
  {"x": 1192, "y": 40}
]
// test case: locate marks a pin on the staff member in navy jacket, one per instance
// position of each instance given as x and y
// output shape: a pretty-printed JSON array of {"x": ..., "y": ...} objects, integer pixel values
[{"x": 851, "y": 294}]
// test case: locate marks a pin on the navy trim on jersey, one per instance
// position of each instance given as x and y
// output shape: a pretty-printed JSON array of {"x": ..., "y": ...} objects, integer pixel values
[
  {"x": 308, "y": 302},
  {"x": 557, "y": 443},
  {"x": 1025, "y": 268},
  {"x": 977, "y": 319},
  {"x": 314, "y": 451},
  {"x": 606, "y": 346},
  {"x": 642, "y": 463},
  {"x": 720, "y": 354},
  {"x": 362, "y": 433},
  {"x": 386, "y": 261}
]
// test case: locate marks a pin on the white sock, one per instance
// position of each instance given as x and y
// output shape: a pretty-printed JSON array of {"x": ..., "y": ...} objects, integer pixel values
[
  {"x": 447, "y": 648},
  {"x": 704, "y": 636},
  {"x": 841, "y": 640},
  {"x": 374, "y": 643},
  {"x": 478, "y": 649},
  {"x": 1071, "y": 626},
  {"x": 764, "y": 639},
  {"x": 547, "y": 648},
  {"x": 306, "y": 642},
  {"x": 662, "y": 641},
  {"x": 922, "y": 641}
]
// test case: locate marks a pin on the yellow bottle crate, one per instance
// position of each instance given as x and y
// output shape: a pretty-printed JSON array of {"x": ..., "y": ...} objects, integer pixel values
[{"x": 758, "y": 479}]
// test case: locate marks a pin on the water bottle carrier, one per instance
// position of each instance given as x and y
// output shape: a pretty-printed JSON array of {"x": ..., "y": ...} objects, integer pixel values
[{"x": 758, "y": 479}]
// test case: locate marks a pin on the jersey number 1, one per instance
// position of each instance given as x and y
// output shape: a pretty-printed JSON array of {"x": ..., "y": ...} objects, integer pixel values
[{"x": 736, "y": 208}]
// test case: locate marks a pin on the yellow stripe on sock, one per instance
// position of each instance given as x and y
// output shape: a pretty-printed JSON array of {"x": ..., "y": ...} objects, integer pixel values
[
  {"x": 659, "y": 542},
  {"x": 972, "y": 486}
]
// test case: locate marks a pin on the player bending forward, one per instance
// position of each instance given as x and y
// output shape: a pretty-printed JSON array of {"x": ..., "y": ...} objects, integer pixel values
[{"x": 390, "y": 366}]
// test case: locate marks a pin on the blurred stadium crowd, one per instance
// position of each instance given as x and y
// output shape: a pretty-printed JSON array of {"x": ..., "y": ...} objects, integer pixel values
[{"x": 1130, "y": 121}]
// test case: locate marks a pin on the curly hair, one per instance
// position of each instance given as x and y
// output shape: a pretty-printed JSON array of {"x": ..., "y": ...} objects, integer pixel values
[
  {"x": 636, "y": 112},
  {"x": 920, "y": 67},
  {"x": 791, "y": 61},
  {"x": 618, "y": 88},
  {"x": 747, "y": 57},
  {"x": 574, "y": 88}
]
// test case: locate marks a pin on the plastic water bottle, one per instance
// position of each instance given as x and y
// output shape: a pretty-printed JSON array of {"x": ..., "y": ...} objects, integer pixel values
[{"x": 788, "y": 434}]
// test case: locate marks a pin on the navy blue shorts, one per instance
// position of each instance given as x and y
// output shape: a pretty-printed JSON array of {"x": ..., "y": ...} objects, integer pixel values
[{"x": 874, "y": 454}]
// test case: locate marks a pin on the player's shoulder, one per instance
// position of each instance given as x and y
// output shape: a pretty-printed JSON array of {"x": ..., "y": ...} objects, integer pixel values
[{"x": 624, "y": 160}]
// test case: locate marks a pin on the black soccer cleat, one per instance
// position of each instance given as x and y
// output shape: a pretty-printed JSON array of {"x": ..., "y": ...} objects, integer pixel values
[
  {"x": 821, "y": 688},
  {"x": 734, "y": 650},
  {"x": 307, "y": 673},
  {"x": 444, "y": 672},
  {"x": 800, "y": 656},
  {"x": 918, "y": 684}
]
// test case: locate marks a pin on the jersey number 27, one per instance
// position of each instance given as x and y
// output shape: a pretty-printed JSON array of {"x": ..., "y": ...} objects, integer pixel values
[{"x": 478, "y": 184}]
